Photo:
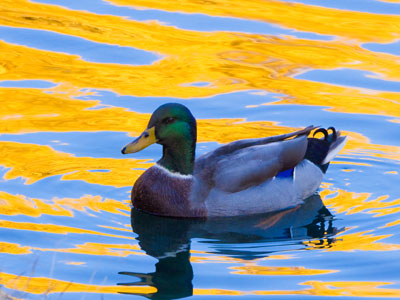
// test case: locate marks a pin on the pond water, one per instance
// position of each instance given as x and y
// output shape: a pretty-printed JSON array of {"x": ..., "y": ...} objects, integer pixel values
[{"x": 79, "y": 80}]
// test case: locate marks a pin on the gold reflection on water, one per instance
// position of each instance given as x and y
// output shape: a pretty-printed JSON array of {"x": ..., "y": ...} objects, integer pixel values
[
  {"x": 88, "y": 248},
  {"x": 218, "y": 292},
  {"x": 121, "y": 250},
  {"x": 115, "y": 228},
  {"x": 231, "y": 62},
  {"x": 32, "y": 110},
  {"x": 349, "y": 242},
  {"x": 320, "y": 288},
  {"x": 12, "y": 248},
  {"x": 392, "y": 172},
  {"x": 53, "y": 228},
  {"x": 341, "y": 288},
  {"x": 351, "y": 163},
  {"x": 34, "y": 162},
  {"x": 351, "y": 202},
  {"x": 390, "y": 224},
  {"x": 351, "y": 289},
  {"x": 245, "y": 75},
  {"x": 273, "y": 271},
  {"x": 94, "y": 203},
  {"x": 44, "y": 285},
  {"x": 319, "y": 19},
  {"x": 359, "y": 145},
  {"x": 75, "y": 263},
  {"x": 19, "y": 204}
]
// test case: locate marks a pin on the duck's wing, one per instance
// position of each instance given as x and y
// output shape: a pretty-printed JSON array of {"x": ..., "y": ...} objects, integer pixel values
[
  {"x": 245, "y": 163},
  {"x": 240, "y": 144}
]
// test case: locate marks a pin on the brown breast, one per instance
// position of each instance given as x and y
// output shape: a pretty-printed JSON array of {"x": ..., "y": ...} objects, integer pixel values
[{"x": 159, "y": 192}]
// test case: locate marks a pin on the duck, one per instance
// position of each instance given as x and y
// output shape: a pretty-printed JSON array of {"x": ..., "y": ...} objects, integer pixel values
[{"x": 244, "y": 177}]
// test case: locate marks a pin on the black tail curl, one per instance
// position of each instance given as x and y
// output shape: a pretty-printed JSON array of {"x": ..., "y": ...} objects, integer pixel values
[
  {"x": 327, "y": 136},
  {"x": 318, "y": 149}
]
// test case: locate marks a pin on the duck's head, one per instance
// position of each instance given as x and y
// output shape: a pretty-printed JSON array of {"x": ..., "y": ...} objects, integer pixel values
[{"x": 173, "y": 126}]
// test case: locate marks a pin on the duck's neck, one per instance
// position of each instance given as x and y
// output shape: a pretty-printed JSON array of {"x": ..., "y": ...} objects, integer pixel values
[{"x": 179, "y": 157}]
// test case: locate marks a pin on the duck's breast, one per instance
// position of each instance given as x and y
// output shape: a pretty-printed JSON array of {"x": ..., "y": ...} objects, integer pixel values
[{"x": 161, "y": 192}]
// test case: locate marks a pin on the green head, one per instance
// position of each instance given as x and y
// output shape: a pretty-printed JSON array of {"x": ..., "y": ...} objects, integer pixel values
[{"x": 173, "y": 126}]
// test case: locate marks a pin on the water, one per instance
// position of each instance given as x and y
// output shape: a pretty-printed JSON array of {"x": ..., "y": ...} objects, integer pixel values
[{"x": 79, "y": 80}]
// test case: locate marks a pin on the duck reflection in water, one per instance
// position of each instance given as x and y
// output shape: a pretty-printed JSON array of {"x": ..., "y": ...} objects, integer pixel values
[{"x": 168, "y": 240}]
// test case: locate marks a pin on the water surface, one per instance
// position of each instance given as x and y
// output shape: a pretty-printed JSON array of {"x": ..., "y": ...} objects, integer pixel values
[{"x": 79, "y": 79}]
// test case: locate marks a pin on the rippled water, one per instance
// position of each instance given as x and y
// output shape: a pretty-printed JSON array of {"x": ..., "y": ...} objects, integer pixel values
[{"x": 79, "y": 79}]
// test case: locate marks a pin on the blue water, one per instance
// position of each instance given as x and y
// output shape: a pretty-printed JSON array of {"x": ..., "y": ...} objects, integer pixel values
[
  {"x": 80, "y": 238},
  {"x": 87, "y": 50}
]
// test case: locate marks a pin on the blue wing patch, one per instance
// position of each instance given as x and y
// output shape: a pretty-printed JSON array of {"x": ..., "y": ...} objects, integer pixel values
[{"x": 286, "y": 174}]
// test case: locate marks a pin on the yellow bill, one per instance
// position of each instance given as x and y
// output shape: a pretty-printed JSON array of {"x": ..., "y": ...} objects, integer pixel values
[{"x": 147, "y": 138}]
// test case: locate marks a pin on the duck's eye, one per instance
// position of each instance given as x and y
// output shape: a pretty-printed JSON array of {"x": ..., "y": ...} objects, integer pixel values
[{"x": 168, "y": 120}]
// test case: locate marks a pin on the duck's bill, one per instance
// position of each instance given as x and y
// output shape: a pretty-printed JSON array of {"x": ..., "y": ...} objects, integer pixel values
[{"x": 147, "y": 138}]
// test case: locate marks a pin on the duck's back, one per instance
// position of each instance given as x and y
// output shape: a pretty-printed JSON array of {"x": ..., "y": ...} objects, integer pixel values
[
  {"x": 263, "y": 175},
  {"x": 257, "y": 179}
]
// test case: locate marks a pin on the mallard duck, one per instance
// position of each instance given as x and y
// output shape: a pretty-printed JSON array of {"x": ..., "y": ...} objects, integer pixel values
[{"x": 240, "y": 178}]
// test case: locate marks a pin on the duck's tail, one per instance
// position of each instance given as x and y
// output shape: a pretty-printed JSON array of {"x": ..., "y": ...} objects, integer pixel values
[{"x": 322, "y": 151}]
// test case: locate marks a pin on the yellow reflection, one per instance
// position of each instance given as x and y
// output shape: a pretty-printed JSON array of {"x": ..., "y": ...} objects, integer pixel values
[
  {"x": 361, "y": 241},
  {"x": 75, "y": 263},
  {"x": 351, "y": 163},
  {"x": 230, "y": 61},
  {"x": 273, "y": 271},
  {"x": 76, "y": 115},
  {"x": 319, "y": 19},
  {"x": 218, "y": 292},
  {"x": 35, "y": 162},
  {"x": 320, "y": 288},
  {"x": 115, "y": 228},
  {"x": 95, "y": 203},
  {"x": 244, "y": 75},
  {"x": 392, "y": 172},
  {"x": 340, "y": 288},
  {"x": 33, "y": 110},
  {"x": 44, "y": 285},
  {"x": 351, "y": 202},
  {"x": 121, "y": 250},
  {"x": 360, "y": 145},
  {"x": 52, "y": 228},
  {"x": 19, "y": 204},
  {"x": 11, "y": 248},
  {"x": 394, "y": 223},
  {"x": 351, "y": 289}
]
